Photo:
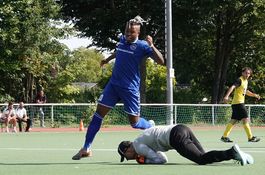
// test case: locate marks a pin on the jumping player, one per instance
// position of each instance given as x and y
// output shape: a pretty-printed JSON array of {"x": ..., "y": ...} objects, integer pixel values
[
  {"x": 239, "y": 111},
  {"x": 149, "y": 147},
  {"x": 124, "y": 83}
]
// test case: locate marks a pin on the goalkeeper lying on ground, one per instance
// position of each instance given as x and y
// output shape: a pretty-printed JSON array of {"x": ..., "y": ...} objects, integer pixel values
[{"x": 148, "y": 148}]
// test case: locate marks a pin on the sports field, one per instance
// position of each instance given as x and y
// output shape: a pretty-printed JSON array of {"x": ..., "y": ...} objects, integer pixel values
[{"x": 49, "y": 153}]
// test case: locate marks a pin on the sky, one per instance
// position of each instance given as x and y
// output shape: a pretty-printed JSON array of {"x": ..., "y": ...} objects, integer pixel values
[{"x": 75, "y": 42}]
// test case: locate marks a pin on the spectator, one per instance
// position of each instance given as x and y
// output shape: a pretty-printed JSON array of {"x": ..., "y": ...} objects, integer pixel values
[
  {"x": 22, "y": 117},
  {"x": 10, "y": 117},
  {"x": 2, "y": 119},
  {"x": 41, "y": 99}
]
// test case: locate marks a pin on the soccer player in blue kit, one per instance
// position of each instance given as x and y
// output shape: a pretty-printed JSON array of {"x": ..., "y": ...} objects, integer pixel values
[{"x": 124, "y": 83}]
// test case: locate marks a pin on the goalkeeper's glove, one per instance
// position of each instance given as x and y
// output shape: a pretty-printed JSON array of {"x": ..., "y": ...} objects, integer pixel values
[{"x": 140, "y": 159}]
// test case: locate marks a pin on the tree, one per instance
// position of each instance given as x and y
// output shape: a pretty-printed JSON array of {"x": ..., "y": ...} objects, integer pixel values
[
  {"x": 82, "y": 65},
  {"x": 27, "y": 45},
  {"x": 156, "y": 83},
  {"x": 104, "y": 21},
  {"x": 236, "y": 25},
  {"x": 212, "y": 40},
  {"x": 215, "y": 38}
]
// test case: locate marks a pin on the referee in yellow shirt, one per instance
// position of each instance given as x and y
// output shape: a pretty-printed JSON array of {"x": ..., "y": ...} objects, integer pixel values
[{"x": 239, "y": 111}]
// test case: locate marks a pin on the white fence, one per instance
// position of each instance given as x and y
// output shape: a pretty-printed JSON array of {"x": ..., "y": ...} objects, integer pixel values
[{"x": 213, "y": 114}]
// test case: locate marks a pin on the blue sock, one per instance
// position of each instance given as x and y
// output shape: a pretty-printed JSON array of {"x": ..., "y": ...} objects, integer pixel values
[
  {"x": 141, "y": 124},
  {"x": 92, "y": 130}
]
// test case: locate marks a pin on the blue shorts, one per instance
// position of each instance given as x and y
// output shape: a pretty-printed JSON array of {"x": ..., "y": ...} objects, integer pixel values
[{"x": 113, "y": 94}]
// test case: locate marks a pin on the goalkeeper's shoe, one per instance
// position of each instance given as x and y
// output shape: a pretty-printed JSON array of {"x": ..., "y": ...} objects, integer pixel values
[
  {"x": 239, "y": 155},
  {"x": 226, "y": 139},
  {"x": 254, "y": 139},
  {"x": 82, "y": 154},
  {"x": 250, "y": 159}
]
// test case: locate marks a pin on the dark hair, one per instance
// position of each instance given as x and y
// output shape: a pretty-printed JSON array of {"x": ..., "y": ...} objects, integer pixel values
[
  {"x": 247, "y": 68},
  {"x": 10, "y": 103},
  {"x": 122, "y": 148}
]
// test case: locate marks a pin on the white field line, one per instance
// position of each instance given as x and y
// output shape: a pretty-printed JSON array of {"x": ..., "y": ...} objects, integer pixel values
[
  {"x": 51, "y": 149},
  {"x": 252, "y": 150}
]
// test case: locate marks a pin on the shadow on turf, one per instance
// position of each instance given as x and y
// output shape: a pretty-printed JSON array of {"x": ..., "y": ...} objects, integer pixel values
[
  {"x": 180, "y": 164},
  {"x": 55, "y": 163},
  {"x": 111, "y": 163},
  {"x": 87, "y": 163}
]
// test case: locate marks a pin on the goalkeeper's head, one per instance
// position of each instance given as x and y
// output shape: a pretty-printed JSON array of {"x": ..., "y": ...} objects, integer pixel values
[{"x": 122, "y": 148}]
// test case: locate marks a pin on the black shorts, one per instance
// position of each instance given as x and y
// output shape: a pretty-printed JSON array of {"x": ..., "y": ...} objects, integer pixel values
[{"x": 239, "y": 111}]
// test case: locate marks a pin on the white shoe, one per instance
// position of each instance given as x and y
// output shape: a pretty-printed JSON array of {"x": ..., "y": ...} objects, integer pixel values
[
  {"x": 239, "y": 155},
  {"x": 250, "y": 159},
  {"x": 82, "y": 153},
  {"x": 152, "y": 123}
]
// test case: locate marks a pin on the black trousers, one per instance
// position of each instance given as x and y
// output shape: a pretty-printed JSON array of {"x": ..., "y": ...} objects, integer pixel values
[
  {"x": 28, "y": 122},
  {"x": 186, "y": 144}
]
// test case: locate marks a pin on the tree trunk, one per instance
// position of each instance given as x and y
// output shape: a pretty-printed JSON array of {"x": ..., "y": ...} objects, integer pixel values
[
  {"x": 223, "y": 51},
  {"x": 218, "y": 60},
  {"x": 29, "y": 88}
]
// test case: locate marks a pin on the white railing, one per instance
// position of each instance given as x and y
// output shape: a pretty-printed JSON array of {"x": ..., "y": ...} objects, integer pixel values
[{"x": 212, "y": 114}]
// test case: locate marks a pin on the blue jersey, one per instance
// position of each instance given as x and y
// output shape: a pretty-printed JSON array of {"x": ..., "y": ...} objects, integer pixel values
[{"x": 126, "y": 71}]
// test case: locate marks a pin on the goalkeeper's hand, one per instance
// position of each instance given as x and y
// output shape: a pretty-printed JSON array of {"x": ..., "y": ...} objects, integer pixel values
[{"x": 140, "y": 159}]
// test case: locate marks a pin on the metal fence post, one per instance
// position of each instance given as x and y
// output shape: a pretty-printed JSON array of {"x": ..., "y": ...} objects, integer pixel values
[
  {"x": 175, "y": 114},
  {"x": 213, "y": 115},
  {"x": 249, "y": 113},
  {"x": 52, "y": 115}
]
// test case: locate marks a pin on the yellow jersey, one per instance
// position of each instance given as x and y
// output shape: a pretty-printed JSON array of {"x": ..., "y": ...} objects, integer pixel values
[{"x": 240, "y": 91}]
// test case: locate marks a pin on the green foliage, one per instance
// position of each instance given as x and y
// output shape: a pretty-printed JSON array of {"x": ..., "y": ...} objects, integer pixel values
[
  {"x": 27, "y": 45},
  {"x": 156, "y": 82},
  {"x": 32, "y": 58},
  {"x": 107, "y": 18},
  {"x": 83, "y": 65},
  {"x": 5, "y": 98}
]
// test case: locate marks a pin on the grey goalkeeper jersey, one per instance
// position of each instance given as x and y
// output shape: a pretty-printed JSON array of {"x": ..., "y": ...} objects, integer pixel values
[{"x": 152, "y": 143}]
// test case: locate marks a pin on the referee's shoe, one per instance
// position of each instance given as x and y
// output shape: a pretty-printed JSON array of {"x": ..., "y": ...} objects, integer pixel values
[
  {"x": 226, "y": 139},
  {"x": 254, "y": 139}
]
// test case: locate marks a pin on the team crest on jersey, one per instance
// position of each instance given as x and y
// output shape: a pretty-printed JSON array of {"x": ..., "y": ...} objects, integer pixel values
[{"x": 133, "y": 46}]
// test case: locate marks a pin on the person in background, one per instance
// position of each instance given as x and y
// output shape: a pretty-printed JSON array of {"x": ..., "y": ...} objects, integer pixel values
[
  {"x": 239, "y": 111},
  {"x": 41, "y": 99},
  {"x": 2, "y": 119},
  {"x": 9, "y": 117},
  {"x": 21, "y": 113}
]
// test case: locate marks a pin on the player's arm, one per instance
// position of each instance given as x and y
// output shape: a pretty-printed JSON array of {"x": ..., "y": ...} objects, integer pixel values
[
  {"x": 147, "y": 155},
  {"x": 105, "y": 61},
  {"x": 237, "y": 83},
  {"x": 251, "y": 94},
  {"x": 230, "y": 90},
  {"x": 157, "y": 56}
]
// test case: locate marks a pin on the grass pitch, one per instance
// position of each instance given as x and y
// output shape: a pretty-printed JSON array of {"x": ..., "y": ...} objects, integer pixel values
[{"x": 49, "y": 153}]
